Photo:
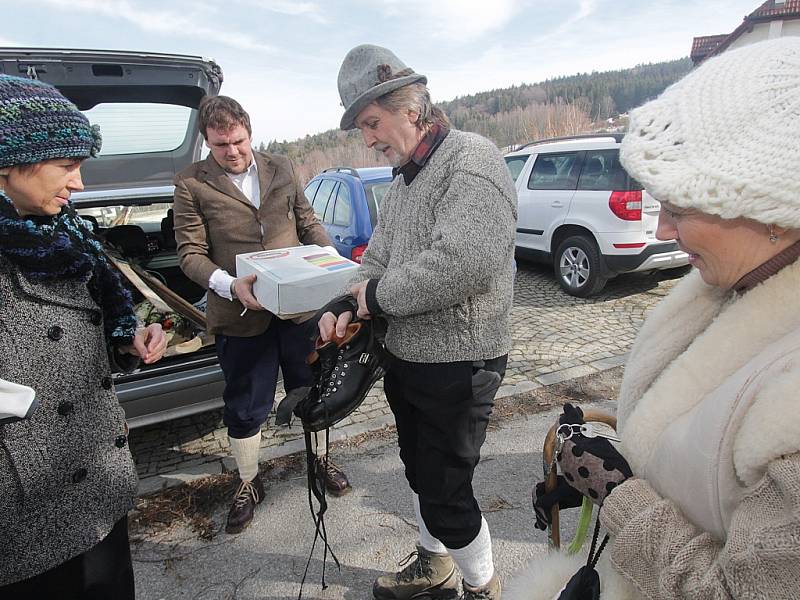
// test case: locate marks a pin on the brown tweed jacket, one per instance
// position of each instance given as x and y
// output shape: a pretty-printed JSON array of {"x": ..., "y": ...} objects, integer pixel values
[{"x": 214, "y": 222}]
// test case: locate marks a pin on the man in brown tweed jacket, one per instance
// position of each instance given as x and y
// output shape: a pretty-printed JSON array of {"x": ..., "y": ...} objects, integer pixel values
[{"x": 237, "y": 201}]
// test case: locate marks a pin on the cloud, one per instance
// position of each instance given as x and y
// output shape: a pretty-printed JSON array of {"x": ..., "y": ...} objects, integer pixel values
[
  {"x": 585, "y": 9},
  {"x": 600, "y": 40},
  {"x": 166, "y": 22},
  {"x": 310, "y": 10},
  {"x": 453, "y": 20},
  {"x": 8, "y": 42}
]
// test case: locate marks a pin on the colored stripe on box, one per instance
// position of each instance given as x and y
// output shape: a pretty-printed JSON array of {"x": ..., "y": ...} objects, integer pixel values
[
  {"x": 327, "y": 262},
  {"x": 338, "y": 266}
]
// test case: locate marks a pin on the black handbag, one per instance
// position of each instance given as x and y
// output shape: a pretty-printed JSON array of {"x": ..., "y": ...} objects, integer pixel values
[{"x": 585, "y": 584}]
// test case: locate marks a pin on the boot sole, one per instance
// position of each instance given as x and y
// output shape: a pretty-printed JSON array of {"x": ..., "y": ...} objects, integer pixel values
[
  {"x": 240, "y": 529},
  {"x": 433, "y": 593},
  {"x": 340, "y": 493}
]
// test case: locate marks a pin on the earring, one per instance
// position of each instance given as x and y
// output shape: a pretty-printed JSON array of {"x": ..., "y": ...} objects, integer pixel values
[{"x": 773, "y": 237}]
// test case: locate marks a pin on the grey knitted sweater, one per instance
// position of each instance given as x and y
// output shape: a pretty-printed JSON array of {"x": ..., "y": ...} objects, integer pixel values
[{"x": 443, "y": 252}]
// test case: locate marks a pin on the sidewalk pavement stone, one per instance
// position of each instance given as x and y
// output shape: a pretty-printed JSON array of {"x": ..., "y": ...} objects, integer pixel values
[{"x": 555, "y": 337}]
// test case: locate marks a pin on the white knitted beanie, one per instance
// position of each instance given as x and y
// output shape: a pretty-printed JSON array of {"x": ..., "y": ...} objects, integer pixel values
[{"x": 726, "y": 138}]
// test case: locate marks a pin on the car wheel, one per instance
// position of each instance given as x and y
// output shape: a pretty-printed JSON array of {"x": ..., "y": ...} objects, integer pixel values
[
  {"x": 676, "y": 272},
  {"x": 578, "y": 267}
]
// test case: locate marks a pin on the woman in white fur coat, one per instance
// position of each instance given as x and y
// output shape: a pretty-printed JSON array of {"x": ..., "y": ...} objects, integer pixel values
[{"x": 708, "y": 410}]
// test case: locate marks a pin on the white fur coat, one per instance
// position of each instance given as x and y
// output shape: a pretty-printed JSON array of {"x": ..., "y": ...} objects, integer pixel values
[{"x": 701, "y": 341}]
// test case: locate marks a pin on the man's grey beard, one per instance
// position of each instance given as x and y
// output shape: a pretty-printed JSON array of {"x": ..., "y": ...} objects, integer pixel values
[{"x": 397, "y": 161}]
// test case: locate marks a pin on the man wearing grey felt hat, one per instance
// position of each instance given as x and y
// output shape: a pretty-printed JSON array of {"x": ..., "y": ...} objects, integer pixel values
[{"x": 439, "y": 270}]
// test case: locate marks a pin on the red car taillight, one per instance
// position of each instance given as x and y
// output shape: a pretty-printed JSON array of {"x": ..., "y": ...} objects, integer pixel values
[
  {"x": 626, "y": 205},
  {"x": 357, "y": 253}
]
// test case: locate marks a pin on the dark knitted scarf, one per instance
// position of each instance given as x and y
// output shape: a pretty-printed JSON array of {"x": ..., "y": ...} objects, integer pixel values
[{"x": 63, "y": 247}]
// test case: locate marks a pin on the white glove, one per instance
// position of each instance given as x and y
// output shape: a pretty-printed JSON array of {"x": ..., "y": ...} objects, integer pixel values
[{"x": 16, "y": 401}]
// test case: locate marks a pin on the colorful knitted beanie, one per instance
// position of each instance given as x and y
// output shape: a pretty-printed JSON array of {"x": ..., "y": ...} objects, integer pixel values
[
  {"x": 726, "y": 138},
  {"x": 37, "y": 123}
]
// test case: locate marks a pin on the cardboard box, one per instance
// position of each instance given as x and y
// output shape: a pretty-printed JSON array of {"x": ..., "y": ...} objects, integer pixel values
[{"x": 292, "y": 281}]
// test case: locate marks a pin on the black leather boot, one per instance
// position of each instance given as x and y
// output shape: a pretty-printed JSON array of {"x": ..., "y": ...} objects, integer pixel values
[{"x": 344, "y": 370}]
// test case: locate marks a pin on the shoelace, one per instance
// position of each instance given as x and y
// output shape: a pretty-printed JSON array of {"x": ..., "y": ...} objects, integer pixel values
[
  {"x": 331, "y": 469},
  {"x": 316, "y": 489},
  {"x": 245, "y": 492},
  {"x": 419, "y": 568}
]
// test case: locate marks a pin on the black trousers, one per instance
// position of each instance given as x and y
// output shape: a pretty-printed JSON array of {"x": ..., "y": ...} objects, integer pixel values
[
  {"x": 250, "y": 366},
  {"x": 104, "y": 572},
  {"x": 441, "y": 411}
]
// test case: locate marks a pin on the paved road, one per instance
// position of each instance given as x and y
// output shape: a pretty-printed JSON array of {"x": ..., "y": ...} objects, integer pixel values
[
  {"x": 556, "y": 337},
  {"x": 370, "y": 530}
]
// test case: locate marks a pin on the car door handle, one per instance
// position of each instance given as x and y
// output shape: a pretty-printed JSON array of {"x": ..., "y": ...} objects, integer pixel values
[{"x": 557, "y": 203}]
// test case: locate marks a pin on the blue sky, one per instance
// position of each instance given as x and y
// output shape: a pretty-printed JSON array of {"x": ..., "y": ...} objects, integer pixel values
[{"x": 281, "y": 57}]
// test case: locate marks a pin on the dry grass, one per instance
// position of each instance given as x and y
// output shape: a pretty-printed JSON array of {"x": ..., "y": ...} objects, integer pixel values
[{"x": 195, "y": 503}]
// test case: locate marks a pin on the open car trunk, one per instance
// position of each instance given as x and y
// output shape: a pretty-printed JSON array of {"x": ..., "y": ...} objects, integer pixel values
[{"x": 146, "y": 107}]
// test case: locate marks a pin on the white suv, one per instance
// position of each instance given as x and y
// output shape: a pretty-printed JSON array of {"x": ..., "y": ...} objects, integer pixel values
[{"x": 579, "y": 209}]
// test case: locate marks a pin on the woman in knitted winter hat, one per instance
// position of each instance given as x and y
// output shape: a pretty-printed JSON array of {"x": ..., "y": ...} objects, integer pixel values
[
  {"x": 67, "y": 479},
  {"x": 708, "y": 410}
]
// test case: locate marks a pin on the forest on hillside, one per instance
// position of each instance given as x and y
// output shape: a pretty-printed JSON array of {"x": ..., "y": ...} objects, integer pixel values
[{"x": 581, "y": 103}]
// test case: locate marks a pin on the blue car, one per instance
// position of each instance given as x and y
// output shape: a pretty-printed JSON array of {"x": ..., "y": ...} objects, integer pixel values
[{"x": 347, "y": 202}]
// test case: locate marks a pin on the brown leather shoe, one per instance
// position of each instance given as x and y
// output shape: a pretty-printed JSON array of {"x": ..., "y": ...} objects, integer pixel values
[
  {"x": 247, "y": 496},
  {"x": 335, "y": 480}
]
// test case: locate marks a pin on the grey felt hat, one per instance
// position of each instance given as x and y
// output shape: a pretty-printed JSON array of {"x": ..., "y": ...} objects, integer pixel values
[{"x": 367, "y": 73}]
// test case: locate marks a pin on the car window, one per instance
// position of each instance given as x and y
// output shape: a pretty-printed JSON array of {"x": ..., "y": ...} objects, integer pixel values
[
  {"x": 311, "y": 189},
  {"x": 341, "y": 216},
  {"x": 137, "y": 128},
  {"x": 378, "y": 191},
  {"x": 147, "y": 217},
  {"x": 515, "y": 165},
  {"x": 328, "y": 217},
  {"x": 602, "y": 171},
  {"x": 375, "y": 193},
  {"x": 321, "y": 197},
  {"x": 555, "y": 171}
]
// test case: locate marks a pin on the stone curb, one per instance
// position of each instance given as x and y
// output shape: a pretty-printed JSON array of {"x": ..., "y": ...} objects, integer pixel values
[{"x": 215, "y": 465}]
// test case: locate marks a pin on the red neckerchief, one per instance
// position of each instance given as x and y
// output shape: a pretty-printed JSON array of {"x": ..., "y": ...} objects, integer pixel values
[{"x": 422, "y": 153}]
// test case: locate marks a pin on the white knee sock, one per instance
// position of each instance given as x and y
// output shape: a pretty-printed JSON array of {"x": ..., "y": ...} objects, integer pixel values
[
  {"x": 475, "y": 559},
  {"x": 245, "y": 452},
  {"x": 426, "y": 540},
  {"x": 320, "y": 443}
]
